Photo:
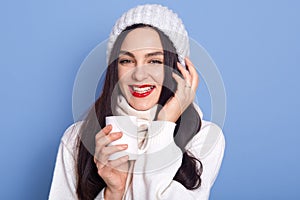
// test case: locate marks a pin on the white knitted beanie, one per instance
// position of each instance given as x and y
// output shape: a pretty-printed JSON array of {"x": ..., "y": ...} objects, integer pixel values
[{"x": 157, "y": 16}]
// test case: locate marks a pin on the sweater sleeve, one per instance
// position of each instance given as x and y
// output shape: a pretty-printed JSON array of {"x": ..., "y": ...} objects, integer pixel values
[
  {"x": 208, "y": 146},
  {"x": 64, "y": 177},
  {"x": 63, "y": 185},
  {"x": 155, "y": 179}
]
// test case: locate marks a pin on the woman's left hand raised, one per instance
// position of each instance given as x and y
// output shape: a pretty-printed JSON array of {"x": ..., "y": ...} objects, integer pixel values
[{"x": 184, "y": 95}]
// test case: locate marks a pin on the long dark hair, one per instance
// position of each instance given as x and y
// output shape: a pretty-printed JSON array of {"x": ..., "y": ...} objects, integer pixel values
[{"x": 89, "y": 183}]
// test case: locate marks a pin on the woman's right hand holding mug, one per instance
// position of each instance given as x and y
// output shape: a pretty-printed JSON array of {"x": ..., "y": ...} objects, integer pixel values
[{"x": 113, "y": 172}]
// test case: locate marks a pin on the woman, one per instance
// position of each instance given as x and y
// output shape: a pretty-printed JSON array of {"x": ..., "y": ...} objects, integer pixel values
[{"x": 148, "y": 76}]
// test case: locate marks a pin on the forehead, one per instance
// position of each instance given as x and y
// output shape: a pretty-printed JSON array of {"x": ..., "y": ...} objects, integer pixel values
[{"x": 141, "y": 38}]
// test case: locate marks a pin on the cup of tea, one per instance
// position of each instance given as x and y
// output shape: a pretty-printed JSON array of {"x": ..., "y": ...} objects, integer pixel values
[{"x": 128, "y": 126}]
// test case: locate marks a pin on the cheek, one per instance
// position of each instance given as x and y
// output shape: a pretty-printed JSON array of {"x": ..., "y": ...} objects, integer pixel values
[
  {"x": 120, "y": 73},
  {"x": 125, "y": 72},
  {"x": 122, "y": 79},
  {"x": 157, "y": 75},
  {"x": 123, "y": 76}
]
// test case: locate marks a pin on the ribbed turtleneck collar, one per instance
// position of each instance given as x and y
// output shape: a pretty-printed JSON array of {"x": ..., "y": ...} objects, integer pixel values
[{"x": 123, "y": 108}]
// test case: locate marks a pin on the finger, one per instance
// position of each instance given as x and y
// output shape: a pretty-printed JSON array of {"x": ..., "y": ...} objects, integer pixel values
[
  {"x": 180, "y": 81},
  {"x": 118, "y": 162},
  {"x": 182, "y": 69},
  {"x": 102, "y": 143},
  {"x": 189, "y": 64},
  {"x": 107, "y": 151},
  {"x": 100, "y": 164},
  {"x": 190, "y": 67},
  {"x": 193, "y": 74},
  {"x": 185, "y": 73},
  {"x": 105, "y": 131},
  {"x": 107, "y": 139}
]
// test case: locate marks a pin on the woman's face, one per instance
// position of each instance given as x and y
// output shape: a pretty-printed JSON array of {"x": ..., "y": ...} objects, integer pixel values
[{"x": 141, "y": 68}]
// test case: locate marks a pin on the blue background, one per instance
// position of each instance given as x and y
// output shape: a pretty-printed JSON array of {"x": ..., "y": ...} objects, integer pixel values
[{"x": 255, "y": 45}]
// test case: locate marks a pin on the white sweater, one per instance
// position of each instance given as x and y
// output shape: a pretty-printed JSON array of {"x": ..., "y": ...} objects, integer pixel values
[{"x": 153, "y": 177}]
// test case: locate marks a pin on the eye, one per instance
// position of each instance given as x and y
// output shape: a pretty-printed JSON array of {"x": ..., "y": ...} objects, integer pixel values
[
  {"x": 156, "y": 61},
  {"x": 125, "y": 61}
]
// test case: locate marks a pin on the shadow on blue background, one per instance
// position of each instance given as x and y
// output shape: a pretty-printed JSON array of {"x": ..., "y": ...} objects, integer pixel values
[{"x": 255, "y": 44}]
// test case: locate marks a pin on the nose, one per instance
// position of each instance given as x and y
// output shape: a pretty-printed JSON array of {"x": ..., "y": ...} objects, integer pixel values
[{"x": 139, "y": 73}]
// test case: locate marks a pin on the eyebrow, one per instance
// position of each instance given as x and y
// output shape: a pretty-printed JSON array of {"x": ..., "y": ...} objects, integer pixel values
[
  {"x": 122, "y": 52},
  {"x": 157, "y": 53}
]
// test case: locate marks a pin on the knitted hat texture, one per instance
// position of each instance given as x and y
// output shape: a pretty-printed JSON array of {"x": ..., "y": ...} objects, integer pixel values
[{"x": 157, "y": 16}]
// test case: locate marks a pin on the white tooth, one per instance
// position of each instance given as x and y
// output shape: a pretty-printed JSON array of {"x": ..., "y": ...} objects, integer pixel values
[{"x": 142, "y": 90}]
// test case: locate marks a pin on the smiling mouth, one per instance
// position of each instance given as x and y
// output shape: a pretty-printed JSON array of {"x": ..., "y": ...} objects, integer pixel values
[{"x": 141, "y": 91}]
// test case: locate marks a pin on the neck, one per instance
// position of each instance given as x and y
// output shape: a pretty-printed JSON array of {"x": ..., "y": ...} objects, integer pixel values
[{"x": 123, "y": 108}]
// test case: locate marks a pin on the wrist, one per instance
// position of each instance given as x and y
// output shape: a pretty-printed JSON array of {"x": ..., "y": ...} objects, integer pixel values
[
  {"x": 169, "y": 112},
  {"x": 113, "y": 194}
]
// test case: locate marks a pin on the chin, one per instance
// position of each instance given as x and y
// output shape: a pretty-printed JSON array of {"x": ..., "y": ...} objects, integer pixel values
[{"x": 141, "y": 106}]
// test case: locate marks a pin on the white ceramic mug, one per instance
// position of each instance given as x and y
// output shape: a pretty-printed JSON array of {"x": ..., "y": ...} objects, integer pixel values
[{"x": 128, "y": 126}]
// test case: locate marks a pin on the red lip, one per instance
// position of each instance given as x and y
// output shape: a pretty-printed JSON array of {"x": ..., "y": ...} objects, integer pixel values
[{"x": 141, "y": 94}]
